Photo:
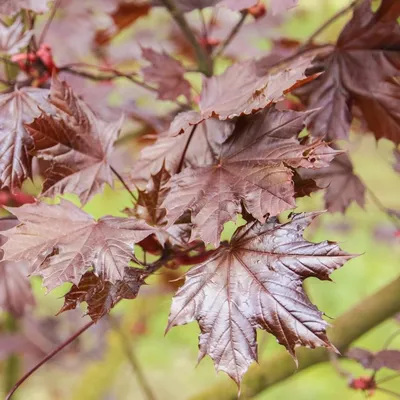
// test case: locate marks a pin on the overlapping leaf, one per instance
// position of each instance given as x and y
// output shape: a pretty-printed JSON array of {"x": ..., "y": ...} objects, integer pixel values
[
  {"x": 77, "y": 144},
  {"x": 341, "y": 185},
  {"x": 253, "y": 167},
  {"x": 16, "y": 109},
  {"x": 257, "y": 282},
  {"x": 11, "y": 7},
  {"x": 15, "y": 290},
  {"x": 376, "y": 361},
  {"x": 243, "y": 89},
  {"x": 371, "y": 39},
  {"x": 281, "y": 6},
  {"x": 61, "y": 242},
  {"x": 13, "y": 38},
  {"x": 100, "y": 295},
  {"x": 167, "y": 73},
  {"x": 169, "y": 151}
]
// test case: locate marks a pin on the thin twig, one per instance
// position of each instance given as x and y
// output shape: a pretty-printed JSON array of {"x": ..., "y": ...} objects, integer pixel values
[
  {"x": 326, "y": 24},
  {"x": 12, "y": 363},
  {"x": 383, "y": 208},
  {"x": 114, "y": 74},
  {"x": 47, "y": 358},
  {"x": 124, "y": 183},
  {"x": 133, "y": 361},
  {"x": 387, "y": 378},
  {"x": 54, "y": 9},
  {"x": 203, "y": 59},
  {"x": 389, "y": 392},
  {"x": 180, "y": 165},
  {"x": 232, "y": 34}
]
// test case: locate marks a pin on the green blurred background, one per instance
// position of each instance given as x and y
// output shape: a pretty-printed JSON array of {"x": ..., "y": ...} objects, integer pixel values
[{"x": 169, "y": 362}]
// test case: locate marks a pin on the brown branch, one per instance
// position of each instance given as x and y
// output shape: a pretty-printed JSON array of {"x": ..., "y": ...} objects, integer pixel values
[
  {"x": 69, "y": 68},
  {"x": 367, "y": 314},
  {"x": 180, "y": 165},
  {"x": 133, "y": 361},
  {"x": 116, "y": 173},
  {"x": 54, "y": 9},
  {"x": 12, "y": 364},
  {"x": 235, "y": 30},
  {"x": 47, "y": 358},
  {"x": 326, "y": 24},
  {"x": 203, "y": 60}
]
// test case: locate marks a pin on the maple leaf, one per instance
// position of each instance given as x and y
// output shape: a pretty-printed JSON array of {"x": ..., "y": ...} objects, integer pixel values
[
  {"x": 243, "y": 89},
  {"x": 148, "y": 206},
  {"x": 342, "y": 185},
  {"x": 168, "y": 150},
  {"x": 252, "y": 167},
  {"x": 15, "y": 290},
  {"x": 167, "y": 73},
  {"x": 123, "y": 16},
  {"x": 376, "y": 361},
  {"x": 101, "y": 296},
  {"x": 13, "y": 38},
  {"x": 371, "y": 39},
  {"x": 282, "y": 6},
  {"x": 16, "y": 109},
  {"x": 76, "y": 143},
  {"x": 11, "y": 7},
  {"x": 61, "y": 242},
  {"x": 256, "y": 281}
]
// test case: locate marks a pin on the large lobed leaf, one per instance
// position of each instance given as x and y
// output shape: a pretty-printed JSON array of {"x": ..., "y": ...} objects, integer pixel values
[
  {"x": 61, "y": 242},
  {"x": 16, "y": 109},
  {"x": 243, "y": 89},
  {"x": 253, "y": 168},
  {"x": 369, "y": 39},
  {"x": 100, "y": 295},
  {"x": 77, "y": 144},
  {"x": 15, "y": 290},
  {"x": 256, "y": 281}
]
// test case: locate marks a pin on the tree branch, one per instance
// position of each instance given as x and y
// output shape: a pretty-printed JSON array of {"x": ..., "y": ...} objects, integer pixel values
[
  {"x": 354, "y": 323},
  {"x": 203, "y": 60},
  {"x": 231, "y": 35},
  {"x": 326, "y": 24},
  {"x": 12, "y": 365},
  {"x": 47, "y": 358}
]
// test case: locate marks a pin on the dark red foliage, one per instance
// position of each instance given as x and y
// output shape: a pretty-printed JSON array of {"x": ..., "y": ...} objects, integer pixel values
[{"x": 248, "y": 143}]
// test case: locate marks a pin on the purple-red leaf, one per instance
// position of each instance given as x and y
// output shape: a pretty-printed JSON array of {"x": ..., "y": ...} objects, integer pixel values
[
  {"x": 256, "y": 281},
  {"x": 61, "y": 242},
  {"x": 342, "y": 185},
  {"x": 371, "y": 39},
  {"x": 243, "y": 89},
  {"x": 77, "y": 144},
  {"x": 382, "y": 359},
  {"x": 252, "y": 167},
  {"x": 167, "y": 73},
  {"x": 16, "y": 109},
  {"x": 15, "y": 290},
  {"x": 100, "y": 295}
]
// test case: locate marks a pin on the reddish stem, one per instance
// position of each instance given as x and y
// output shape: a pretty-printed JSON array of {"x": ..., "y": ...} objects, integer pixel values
[{"x": 47, "y": 358}]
